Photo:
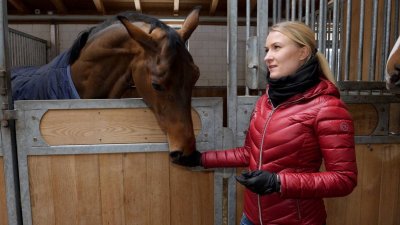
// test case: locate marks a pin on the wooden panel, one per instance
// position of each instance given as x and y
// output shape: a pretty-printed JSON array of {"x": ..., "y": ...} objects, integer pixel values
[
  {"x": 192, "y": 197},
  {"x": 365, "y": 118},
  {"x": 127, "y": 188},
  {"x": 104, "y": 126},
  {"x": 375, "y": 200},
  {"x": 3, "y": 206}
]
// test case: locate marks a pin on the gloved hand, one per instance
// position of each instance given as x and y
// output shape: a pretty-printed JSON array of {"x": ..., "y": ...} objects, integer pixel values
[
  {"x": 191, "y": 160},
  {"x": 259, "y": 181}
]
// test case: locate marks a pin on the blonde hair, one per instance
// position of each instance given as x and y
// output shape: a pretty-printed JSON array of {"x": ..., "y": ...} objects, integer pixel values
[{"x": 302, "y": 35}]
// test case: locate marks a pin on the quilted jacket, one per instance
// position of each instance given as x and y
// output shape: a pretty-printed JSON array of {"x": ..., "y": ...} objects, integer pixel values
[{"x": 292, "y": 140}]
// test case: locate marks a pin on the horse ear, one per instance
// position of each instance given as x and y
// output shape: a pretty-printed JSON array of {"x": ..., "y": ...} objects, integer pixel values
[
  {"x": 190, "y": 24},
  {"x": 138, "y": 34}
]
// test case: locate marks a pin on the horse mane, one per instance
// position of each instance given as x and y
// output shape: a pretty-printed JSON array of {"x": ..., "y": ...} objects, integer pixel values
[{"x": 80, "y": 42}]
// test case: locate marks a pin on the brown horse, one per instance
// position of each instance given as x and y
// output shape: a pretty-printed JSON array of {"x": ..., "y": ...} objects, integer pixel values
[
  {"x": 131, "y": 50},
  {"x": 393, "y": 69}
]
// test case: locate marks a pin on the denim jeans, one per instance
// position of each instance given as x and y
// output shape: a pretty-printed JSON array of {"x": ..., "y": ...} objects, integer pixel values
[{"x": 245, "y": 221}]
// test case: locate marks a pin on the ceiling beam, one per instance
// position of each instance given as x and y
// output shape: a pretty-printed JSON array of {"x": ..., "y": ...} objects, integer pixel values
[
  {"x": 100, "y": 6},
  {"x": 138, "y": 6},
  {"x": 59, "y": 6},
  {"x": 213, "y": 7},
  {"x": 19, "y": 5},
  {"x": 176, "y": 7}
]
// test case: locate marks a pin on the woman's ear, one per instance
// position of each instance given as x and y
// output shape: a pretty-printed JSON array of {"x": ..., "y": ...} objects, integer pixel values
[{"x": 304, "y": 53}]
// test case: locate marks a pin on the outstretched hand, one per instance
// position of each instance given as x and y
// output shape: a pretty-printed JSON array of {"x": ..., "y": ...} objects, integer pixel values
[
  {"x": 191, "y": 160},
  {"x": 259, "y": 181}
]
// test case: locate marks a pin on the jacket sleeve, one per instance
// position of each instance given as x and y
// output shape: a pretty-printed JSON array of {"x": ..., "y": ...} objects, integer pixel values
[
  {"x": 335, "y": 134},
  {"x": 236, "y": 157}
]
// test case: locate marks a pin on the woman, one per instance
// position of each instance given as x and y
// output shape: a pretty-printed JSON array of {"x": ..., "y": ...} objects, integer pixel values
[{"x": 299, "y": 122}]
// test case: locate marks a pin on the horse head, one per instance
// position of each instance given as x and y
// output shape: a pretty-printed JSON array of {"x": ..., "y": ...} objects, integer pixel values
[
  {"x": 393, "y": 69},
  {"x": 153, "y": 57}
]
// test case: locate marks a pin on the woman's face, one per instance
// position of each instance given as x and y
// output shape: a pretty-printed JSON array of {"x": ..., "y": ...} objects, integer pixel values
[{"x": 283, "y": 56}]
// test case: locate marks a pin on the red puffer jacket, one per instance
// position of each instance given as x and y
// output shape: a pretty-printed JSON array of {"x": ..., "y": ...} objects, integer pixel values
[{"x": 294, "y": 138}]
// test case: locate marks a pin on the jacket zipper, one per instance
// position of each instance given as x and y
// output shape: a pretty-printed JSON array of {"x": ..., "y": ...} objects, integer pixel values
[
  {"x": 298, "y": 210},
  {"x": 261, "y": 148},
  {"x": 260, "y": 159}
]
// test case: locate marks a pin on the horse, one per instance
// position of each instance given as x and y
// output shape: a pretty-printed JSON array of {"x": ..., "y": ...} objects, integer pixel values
[
  {"x": 392, "y": 75},
  {"x": 107, "y": 60}
]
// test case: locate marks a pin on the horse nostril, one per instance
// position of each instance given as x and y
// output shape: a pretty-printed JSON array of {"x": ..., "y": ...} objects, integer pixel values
[
  {"x": 175, "y": 155},
  {"x": 394, "y": 78}
]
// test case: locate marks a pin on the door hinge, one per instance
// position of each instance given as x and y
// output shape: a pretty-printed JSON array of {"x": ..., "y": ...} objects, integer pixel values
[{"x": 8, "y": 115}]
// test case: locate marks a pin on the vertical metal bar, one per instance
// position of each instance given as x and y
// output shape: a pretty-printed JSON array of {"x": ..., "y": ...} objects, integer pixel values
[
  {"x": 287, "y": 10},
  {"x": 293, "y": 10},
  {"x": 8, "y": 145},
  {"x": 322, "y": 26},
  {"x": 307, "y": 15},
  {"x": 347, "y": 48},
  {"x": 274, "y": 11},
  {"x": 300, "y": 10},
  {"x": 341, "y": 47},
  {"x": 247, "y": 37},
  {"x": 334, "y": 46},
  {"x": 396, "y": 18},
  {"x": 232, "y": 65},
  {"x": 313, "y": 15},
  {"x": 279, "y": 9},
  {"x": 360, "y": 41},
  {"x": 372, "y": 59},
  {"x": 232, "y": 86},
  {"x": 386, "y": 37},
  {"x": 262, "y": 31}
]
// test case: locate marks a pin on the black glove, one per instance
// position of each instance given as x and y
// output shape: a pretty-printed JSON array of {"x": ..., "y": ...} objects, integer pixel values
[
  {"x": 191, "y": 160},
  {"x": 259, "y": 181}
]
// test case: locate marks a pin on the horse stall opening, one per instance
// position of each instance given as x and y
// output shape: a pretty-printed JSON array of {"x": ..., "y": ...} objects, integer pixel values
[{"x": 107, "y": 162}]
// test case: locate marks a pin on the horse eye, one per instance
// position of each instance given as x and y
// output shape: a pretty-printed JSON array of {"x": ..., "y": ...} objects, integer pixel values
[{"x": 157, "y": 87}]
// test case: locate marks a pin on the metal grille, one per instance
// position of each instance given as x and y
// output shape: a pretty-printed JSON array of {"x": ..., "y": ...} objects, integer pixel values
[{"x": 26, "y": 50}]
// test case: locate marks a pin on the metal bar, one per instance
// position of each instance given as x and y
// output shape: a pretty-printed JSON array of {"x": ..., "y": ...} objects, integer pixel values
[
  {"x": 293, "y": 10},
  {"x": 247, "y": 91},
  {"x": 313, "y": 15},
  {"x": 300, "y": 10},
  {"x": 360, "y": 41},
  {"x": 100, "y": 18},
  {"x": 279, "y": 9},
  {"x": 341, "y": 48},
  {"x": 396, "y": 18},
  {"x": 307, "y": 16},
  {"x": 334, "y": 47},
  {"x": 322, "y": 27},
  {"x": 372, "y": 59},
  {"x": 8, "y": 145},
  {"x": 262, "y": 31},
  {"x": 232, "y": 65},
  {"x": 287, "y": 10},
  {"x": 274, "y": 11},
  {"x": 386, "y": 37},
  {"x": 347, "y": 48}
]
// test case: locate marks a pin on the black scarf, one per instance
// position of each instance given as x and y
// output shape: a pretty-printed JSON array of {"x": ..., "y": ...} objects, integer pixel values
[{"x": 285, "y": 87}]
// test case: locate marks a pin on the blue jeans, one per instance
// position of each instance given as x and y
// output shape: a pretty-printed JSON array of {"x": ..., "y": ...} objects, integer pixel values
[{"x": 245, "y": 221}]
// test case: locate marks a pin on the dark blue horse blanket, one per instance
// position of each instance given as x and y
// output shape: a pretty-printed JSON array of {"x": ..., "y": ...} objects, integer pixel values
[{"x": 51, "y": 81}]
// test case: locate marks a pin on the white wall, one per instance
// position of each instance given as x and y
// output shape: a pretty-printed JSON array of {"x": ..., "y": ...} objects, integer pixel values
[{"x": 208, "y": 46}]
